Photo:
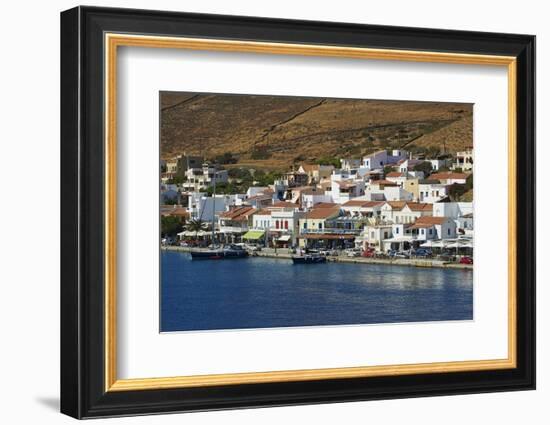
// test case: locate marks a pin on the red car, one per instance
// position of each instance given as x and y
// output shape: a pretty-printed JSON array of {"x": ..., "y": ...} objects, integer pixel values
[{"x": 466, "y": 260}]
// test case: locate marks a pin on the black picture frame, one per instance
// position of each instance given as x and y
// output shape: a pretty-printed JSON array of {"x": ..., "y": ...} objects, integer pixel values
[{"x": 83, "y": 392}]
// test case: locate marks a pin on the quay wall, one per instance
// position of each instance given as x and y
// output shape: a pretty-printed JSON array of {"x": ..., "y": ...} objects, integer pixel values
[{"x": 411, "y": 262}]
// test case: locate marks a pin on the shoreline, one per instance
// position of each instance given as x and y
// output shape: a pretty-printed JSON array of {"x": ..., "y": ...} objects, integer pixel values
[{"x": 425, "y": 263}]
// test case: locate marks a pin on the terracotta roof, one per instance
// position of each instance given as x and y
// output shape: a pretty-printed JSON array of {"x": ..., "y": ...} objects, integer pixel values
[
  {"x": 395, "y": 174},
  {"x": 325, "y": 205},
  {"x": 169, "y": 210},
  {"x": 396, "y": 205},
  {"x": 238, "y": 214},
  {"x": 321, "y": 213},
  {"x": 364, "y": 204},
  {"x": 449, "y": 175},
  {"x": 263, "y": 211},
  {"x": 418, "y": 206},
  {"x": 383, "y": 183},
  {"x": 259, "y": 196},
  {"x": 283, "y": 204},
  {"x": 429, "y": 221}
]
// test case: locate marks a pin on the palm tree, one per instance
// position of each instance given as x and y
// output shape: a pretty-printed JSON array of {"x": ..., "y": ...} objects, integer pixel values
[{"x": 196, "y": 225}]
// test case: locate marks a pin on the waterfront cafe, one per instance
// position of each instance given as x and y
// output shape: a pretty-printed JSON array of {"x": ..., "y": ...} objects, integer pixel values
[{"x": 462, "y": 245}]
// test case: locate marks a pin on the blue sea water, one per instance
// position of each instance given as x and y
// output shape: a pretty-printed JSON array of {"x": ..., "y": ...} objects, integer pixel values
[{"x": 264, "y": 293}]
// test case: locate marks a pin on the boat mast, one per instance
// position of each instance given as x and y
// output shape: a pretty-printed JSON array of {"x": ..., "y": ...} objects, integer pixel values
[{"x": 213, "y": 208}]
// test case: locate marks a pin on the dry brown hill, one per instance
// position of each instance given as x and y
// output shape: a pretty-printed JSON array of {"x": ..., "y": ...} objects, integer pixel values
[{"x": 275, "y": 131}]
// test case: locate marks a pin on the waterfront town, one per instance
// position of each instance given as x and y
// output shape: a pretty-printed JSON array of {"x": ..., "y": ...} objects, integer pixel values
[{"x": 389, "y": 204}]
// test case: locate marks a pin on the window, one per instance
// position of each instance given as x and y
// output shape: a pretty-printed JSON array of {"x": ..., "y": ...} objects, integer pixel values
[
  {"x": 397, "y": 230},
  {"x": 320, "y": 226},
  {"x": 305, "y": 224},
  {"x": 449, "y": 231},
  {"x": 277, "y": 224},
  {"x": 421, "y": 231},
  {"x": 286, "y": 224},
  {"x": 431, "y": 231}
]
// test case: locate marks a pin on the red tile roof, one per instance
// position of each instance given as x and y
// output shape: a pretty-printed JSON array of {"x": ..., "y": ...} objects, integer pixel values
[
  {"x": 428, "y": 221},
  {"x": 325, "y": 205},
  {"x": 238, "y": 213},
  {"x": 322, "y": 213},
  {"x": 395, "y": 174},
  {"x": 283, "y": 204},
  {"x": 383, "y": 183},
  {"x": 449, "y": 175},
  {"x": 417, "y": 206},
  {"x": 363, "y": 204},
  {"x": 263, "y": 211}
]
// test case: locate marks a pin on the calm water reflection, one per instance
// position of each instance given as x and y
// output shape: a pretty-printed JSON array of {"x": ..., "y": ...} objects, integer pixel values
[{"x": 262, "y": 293}]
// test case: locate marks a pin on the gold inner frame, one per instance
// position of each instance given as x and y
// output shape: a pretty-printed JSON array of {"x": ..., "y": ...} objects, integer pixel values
[{"x": 113, "y": 41}]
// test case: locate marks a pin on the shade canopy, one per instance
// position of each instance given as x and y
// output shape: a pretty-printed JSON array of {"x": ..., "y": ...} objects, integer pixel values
[{"x": 253, "y": 234}]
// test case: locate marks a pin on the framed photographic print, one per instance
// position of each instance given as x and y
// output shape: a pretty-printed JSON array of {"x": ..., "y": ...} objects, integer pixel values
[{"x": 261, "y": 212}]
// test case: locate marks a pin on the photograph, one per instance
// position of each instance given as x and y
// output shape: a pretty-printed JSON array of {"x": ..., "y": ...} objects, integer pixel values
[{"x": 287, "y": 211}]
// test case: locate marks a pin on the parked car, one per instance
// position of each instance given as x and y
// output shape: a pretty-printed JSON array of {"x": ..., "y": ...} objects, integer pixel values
[
  {"x": 353, "y": 252},
  {"x": 401, "y": 255},
  {"x": 466, "y": 260},
  {"x": 422, "y": 252}
]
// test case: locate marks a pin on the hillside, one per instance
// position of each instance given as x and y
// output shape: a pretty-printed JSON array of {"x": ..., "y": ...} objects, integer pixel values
[{"x": 275, "y": 131}]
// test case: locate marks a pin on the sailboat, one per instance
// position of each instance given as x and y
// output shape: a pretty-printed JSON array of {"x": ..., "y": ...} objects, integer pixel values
[{"x": 214, "y": 251}]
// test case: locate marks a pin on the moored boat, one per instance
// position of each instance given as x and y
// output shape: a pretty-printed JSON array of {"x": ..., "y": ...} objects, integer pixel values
[
  {"x": 207, "y": 254},
  {"x": 309, "y": 259},
  {"x": 234, "y": 251}
]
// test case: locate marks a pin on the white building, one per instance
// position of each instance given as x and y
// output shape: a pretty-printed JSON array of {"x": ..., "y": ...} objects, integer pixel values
[
  {"x": 461, "y": 212},
  {"x": 311, "y": 197},
  {"x": 369, "y": 209},
  {"x": 205, "y": 207},
  {"x": 464, "y": 160},
  {"x": 344, "y": 190},
  {"x": 431, "y": 191},
  {"x": 199, "y": 179},
  {"x": 396, "y": 193},
  {"x": 381, "y": 158},
  {"x": 438, "y": 163},
  {"x": 411, "y": 211},
  {"x": 430, "y": 228}
]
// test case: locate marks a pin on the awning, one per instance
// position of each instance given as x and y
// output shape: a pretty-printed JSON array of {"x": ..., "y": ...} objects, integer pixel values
[
  {"x": 253, "y": 234},
  {"x": 197, "y": 234},
  {"x": 284, "y": 238}
]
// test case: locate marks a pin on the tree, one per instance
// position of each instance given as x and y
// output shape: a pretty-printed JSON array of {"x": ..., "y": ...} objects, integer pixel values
[
  {"x": 425, "y": 167},
  {"x": 177, "y": 180},
  {"x": 329, "y": 160},
  {"x": 388, "y": 169},
  {"x": 196, "y": 225},
  {"x": 170, "y": 225}
]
